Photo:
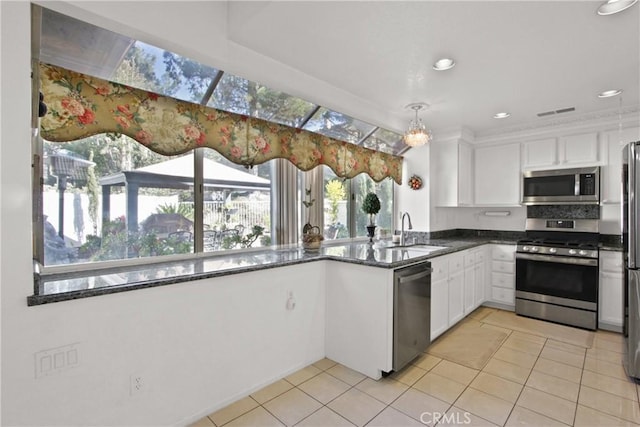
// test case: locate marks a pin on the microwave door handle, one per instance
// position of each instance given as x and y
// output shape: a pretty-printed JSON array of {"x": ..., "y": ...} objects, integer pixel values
[{"x": 576, "y": 187}]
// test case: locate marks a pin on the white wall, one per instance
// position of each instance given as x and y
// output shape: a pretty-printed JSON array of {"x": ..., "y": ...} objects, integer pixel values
[
  {"x": 416, "y": 202},
  {"x": 198, "y": 345},
  {"x": 476, "y": 218}
]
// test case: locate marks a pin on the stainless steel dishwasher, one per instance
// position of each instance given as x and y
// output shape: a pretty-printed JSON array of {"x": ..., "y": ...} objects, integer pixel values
[{"x": 411, "y": 312}]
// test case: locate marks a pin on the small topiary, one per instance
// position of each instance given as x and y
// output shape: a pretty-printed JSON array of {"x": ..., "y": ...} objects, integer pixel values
[{"x": 371, "y": 206}]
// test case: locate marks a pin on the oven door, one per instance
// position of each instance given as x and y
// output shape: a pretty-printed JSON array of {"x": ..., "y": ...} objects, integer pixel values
[{"x": 558, "y": 280}]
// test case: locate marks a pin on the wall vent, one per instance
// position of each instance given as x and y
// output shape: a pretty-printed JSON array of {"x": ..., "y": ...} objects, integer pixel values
[{"x": 560, "y": 111}]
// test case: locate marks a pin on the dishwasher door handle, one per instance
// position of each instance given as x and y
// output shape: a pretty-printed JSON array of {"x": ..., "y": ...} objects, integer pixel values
[{"x": 426, "y": 272}]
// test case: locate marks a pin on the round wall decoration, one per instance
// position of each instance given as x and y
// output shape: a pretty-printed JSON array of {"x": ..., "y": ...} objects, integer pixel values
[{"x": 415, "y": 182}]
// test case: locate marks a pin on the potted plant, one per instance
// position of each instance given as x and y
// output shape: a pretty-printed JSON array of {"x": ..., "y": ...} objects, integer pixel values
[
  {"x": 311, "y": 236},
  {"x": 371, "y": 206}
]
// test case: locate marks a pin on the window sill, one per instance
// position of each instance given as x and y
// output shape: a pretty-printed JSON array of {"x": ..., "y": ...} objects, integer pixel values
[{"x": 81, "y": 284}]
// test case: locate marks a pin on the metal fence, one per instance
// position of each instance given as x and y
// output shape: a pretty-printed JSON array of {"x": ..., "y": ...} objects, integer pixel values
[{"x": 219, "y": 215}]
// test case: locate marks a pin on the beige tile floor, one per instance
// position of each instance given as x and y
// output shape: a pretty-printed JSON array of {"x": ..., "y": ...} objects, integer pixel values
[{"x": 532, "y": 379}]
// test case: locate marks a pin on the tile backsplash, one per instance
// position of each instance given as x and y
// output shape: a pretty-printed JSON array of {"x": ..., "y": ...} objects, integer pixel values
[{"x": 564, "y": 211}]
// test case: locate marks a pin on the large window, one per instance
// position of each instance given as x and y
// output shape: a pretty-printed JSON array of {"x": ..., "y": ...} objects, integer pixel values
[
  {"x": 342, "y": 198},
  {"x": 107, "y": 198}
]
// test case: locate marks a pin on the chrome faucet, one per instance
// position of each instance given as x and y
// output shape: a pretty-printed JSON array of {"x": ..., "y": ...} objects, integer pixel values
[{"x": 402, "y": 239}]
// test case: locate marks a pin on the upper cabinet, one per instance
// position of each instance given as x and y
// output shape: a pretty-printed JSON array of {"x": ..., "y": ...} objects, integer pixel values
[
  {"x": 566, "y": 151},
  {"x": 539, "y": 154},
  {"x": 497, "y": 175},
  {"x": 611, "y": 174},
  {"x": 577, "y": 150},
  {"x": 452, "y": 171}
]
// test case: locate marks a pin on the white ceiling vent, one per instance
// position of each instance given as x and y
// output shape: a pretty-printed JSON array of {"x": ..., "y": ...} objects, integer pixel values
[{"x": 560, "y": 111}]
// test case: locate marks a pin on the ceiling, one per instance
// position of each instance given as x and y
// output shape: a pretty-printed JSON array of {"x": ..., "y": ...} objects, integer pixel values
[
  {"x": 369, "y": 59},
  {"x": 521, "y": 57}
]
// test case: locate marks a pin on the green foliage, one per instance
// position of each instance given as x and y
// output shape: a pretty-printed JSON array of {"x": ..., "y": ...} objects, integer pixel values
[
  {"x": 184, "y": 209},
  {"x": 335, "y": 192},
  {"x": 371, "y": 206},
  {"x": 245, "y": 241},
  {"x": 116, "y": 243}
]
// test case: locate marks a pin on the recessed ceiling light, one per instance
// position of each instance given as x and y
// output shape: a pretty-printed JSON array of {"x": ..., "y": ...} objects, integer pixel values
[
  {"x": 444, "y": 64},
  {"x": 501, "y": 115},
  {"x": 615, "y": 6},
  {"x": 609, "y": 93}
]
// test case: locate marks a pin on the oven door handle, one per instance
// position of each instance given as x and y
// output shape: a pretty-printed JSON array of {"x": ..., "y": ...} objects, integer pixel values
[{"x": 558, "y": 259}]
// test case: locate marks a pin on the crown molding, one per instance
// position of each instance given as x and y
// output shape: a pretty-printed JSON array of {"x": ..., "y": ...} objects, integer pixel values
[{"x": 602, "y": 120}]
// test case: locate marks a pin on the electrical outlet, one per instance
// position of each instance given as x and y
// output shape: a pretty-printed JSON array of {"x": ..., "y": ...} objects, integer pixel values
[
  {"x": 53, "y": 361},
  {"x": 137, "y": 385},
  {"x": 291, "y": 301}
]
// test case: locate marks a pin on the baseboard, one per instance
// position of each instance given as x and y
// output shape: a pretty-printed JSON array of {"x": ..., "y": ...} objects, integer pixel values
[
  {"x": 501, "y": 306},
  {"x": 609, "y": 327}
]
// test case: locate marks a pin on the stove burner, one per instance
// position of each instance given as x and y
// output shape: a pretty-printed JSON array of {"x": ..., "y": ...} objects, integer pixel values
[{"x": 559, "y": 243}]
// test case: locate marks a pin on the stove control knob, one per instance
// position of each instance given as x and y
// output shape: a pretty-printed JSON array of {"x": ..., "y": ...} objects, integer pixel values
[
  {"x": 526, "y": 248},
  {"x": 572, "y": 252},
  {"x": 552, "y": 250},
  {"x": 534, "y": 249},
  {"x": 582, "y": 253}
]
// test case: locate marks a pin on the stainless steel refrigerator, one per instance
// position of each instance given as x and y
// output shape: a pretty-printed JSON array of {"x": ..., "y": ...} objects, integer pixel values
[{"x": 631, "y": 254}]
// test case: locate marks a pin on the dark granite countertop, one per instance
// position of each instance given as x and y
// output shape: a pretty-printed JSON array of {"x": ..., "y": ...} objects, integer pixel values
[{"x": 381, "y": 254}]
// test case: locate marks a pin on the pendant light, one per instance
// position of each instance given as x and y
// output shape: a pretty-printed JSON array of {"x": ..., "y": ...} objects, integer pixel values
[
  {"x": 417, "y": 133},
  {"x": 615, "y": 6}
]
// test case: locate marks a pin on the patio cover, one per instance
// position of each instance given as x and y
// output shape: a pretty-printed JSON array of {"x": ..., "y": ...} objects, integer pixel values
[{"x": 175, "y": 173}]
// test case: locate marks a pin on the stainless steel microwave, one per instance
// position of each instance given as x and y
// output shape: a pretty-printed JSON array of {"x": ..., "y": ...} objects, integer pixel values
[{"x": 561, "y": 186}]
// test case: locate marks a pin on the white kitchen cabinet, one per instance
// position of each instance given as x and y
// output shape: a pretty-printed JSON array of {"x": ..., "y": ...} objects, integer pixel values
[
  {"x": 611, "y": 291},
  {"x": 359, "y": 317},
  {"x": 439, "y": 296},
  {"x": 456, "y": 288},
  {"x": 611, "y": 172},
  {"x": 540, "y": 154},
  {"x": 469, "y": 281},
  {"x": 564, "y": 152},
  {"x": 447, "y": 292},
  {"x": 452, "y": 167},
  {"x": 480, "y": 275},
  {"x": 501, "y": 286},
  {"x": 497, "y": 175},
  {"x": 577, "y": 150}
]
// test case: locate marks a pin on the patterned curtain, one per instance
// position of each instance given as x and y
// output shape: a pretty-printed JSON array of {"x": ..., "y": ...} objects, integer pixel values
[{"x": 81, "y": 106}]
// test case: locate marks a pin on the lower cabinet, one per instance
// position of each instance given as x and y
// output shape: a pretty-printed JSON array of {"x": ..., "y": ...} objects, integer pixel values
[
  {"x": 457, "y": 287},
  {"x": 611, "y": 291},
  {"x": 359, "y": 317},
  {"x": 502, "y": 282},
  {"x": 439, "y": 296}
]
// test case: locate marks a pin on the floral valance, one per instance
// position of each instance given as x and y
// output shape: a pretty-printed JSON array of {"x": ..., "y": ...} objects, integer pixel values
[{"x": 81, "y": 106}]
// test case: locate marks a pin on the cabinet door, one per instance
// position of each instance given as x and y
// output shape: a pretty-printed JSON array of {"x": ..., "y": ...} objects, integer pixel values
[
  {"x": 452, "y": 172},
  {"x": 579, "y": 149},
  {"x": 456, "y": 297},
  {"x": 537, "y": 154},
  {"x": 610, "y": 298},
  {"x": 478, "y": 295},
  {"x": 610, "y": 180},
  {"x": 497, "y": 175},
  {"x": 445, "y": 171},
  {"x": 439, "y": 307},
  {"x": 465, "y": 178},
  {"x": 469, "y": 289}
]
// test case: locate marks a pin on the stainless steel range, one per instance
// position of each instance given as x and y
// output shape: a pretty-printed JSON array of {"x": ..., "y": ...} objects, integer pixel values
[{"x": 557, "y": 271}]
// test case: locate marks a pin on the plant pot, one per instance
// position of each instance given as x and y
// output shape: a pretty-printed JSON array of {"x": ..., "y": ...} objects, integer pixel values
[
  {"x": 312, "y": 239},
  {"x": 371, "y": 231}
]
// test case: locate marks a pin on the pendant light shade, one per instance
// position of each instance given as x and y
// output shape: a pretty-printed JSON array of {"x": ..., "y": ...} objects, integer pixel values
[
  {"x": 615, "y": 6},
  {"x": 417, "y": 133}
]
